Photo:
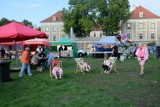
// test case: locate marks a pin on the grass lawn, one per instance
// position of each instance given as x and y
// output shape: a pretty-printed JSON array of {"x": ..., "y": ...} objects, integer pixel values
[{"x": 123, "y": 89}]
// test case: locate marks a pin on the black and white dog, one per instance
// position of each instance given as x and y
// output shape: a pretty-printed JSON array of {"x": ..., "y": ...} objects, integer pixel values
[{"x": 40, "y": 69}]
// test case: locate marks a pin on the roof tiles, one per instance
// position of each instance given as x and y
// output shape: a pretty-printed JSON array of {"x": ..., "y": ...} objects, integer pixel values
[
  {"x": 57, "y": 15},
  {"x": 146, "y": 13}
]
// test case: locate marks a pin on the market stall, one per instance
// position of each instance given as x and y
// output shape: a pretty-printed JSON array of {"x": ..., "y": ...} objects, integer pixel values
[
  {"x": 35, "y": 42},
  {"x": 66, "y": 43}
]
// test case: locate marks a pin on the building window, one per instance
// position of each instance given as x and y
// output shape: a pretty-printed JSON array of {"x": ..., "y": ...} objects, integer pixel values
[
  {"x": 54, "y": 28},
  {"x": 152, "y": 36},
  {"x": 94, "y": 34},
  {"x": 54, "y": 38},
  {"x": 54, "y": 18},
  {"x": 100, "y": 34},
  {"x": 62, "y": 28},
  {"x": 129, "y": 36},
  {"x": 140, "y": 25},
  {"x": 152, "y": 25},
  {"x": 141, "y": 36},
  {"x": 46, "y": 28},
  {"x": 140, "y": 14},
  {"x": 128, "y": 25}
]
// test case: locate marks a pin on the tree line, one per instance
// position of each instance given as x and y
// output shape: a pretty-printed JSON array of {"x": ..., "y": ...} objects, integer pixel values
[
  {"x": 84, "y": 15},
  {"x": 25, "y": 22}
]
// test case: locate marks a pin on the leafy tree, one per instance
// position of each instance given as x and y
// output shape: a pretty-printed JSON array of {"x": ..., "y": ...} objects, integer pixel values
[
  {"x": 4, "y": 21},
  {"x": 27, "y": 23},
  {"x": 84, "y": 15},
  {"x": 111, "y": 12},
  {"x": 79, "y": 16}
]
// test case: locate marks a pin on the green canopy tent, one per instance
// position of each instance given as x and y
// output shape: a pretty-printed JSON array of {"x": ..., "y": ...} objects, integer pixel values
[{"x": 66, "y": 41}]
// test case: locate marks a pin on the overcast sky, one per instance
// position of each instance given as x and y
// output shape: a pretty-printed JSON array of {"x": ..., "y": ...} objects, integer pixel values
[{"x": 38, "y": 10}]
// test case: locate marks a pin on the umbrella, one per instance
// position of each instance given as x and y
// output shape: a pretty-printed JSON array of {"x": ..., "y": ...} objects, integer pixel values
[
  {"x": 15, "y": 31},
  {"x": 37, "y": 41}
]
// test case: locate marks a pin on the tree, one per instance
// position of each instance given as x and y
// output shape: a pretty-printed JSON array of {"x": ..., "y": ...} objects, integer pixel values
[
  {"x": 79, "y": 16},
  {"x": 4, "y": 21},
  {"x": 27, "y": 23},
  {"x": 84, "y": 15}
]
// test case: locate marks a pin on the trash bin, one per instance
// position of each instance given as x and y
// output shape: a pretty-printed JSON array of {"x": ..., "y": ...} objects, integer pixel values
[
  {"x": 121, "y": 58},
  {"x": 5, "y": 71}
]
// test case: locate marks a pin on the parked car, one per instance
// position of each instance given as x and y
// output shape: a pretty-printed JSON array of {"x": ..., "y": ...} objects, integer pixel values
[{"x": 81, "y": 52}]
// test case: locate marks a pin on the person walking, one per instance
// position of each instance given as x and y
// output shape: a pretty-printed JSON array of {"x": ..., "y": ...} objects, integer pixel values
[
  {"x": 142, "y": 57},
  {"x": 25, "y": 62}
]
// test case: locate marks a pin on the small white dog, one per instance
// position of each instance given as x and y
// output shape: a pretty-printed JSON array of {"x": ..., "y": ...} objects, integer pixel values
[{"x": 40, "y": 69}]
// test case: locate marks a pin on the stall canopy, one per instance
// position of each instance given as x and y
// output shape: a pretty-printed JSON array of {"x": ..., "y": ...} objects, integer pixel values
[
  {"x": 37, "y": 41},
  {"x": 66, "y": 41},
  {"x": 15, "y": 31},
  {"x": 107, "y": 40}
]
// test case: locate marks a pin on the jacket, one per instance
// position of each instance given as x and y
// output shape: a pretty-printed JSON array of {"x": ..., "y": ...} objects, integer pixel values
[{"x": 25, "y": 57}]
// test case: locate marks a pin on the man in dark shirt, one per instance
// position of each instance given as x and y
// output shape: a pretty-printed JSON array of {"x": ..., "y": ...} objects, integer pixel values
[
  {"x": 60, "y": 49},
  {"x": 2, "y": 53},
  {"x": 115, "y": 50}
]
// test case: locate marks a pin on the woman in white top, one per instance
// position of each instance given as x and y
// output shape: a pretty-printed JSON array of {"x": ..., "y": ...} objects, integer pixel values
[{"x": 106, "y": 65}]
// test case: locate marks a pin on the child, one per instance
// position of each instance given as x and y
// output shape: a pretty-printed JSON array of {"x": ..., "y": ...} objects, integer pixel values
[
  {"x": 106, "y": 65},
  {"x": 57, "y": 70},
  {"x": 86, "y": 66}
]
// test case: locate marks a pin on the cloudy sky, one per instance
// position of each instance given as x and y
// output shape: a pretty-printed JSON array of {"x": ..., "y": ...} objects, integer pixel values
[{"x": 37, "y": 10}]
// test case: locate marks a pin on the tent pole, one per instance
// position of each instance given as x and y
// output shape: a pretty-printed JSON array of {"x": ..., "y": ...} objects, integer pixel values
[{"x": 16, "y": 52}]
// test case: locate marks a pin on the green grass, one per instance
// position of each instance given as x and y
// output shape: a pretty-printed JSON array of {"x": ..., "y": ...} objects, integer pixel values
[{"x": 123, "y": 89}]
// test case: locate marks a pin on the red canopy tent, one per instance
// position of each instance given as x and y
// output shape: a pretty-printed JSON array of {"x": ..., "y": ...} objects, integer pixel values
[
  {"x": 10, "y": 43},
  {"x": 15, "y": 31},
  {"x": 35, "y": 42}
]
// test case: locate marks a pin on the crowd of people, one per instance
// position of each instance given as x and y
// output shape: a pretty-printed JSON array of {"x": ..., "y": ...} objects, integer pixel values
[{"x": 41, "y": 59}]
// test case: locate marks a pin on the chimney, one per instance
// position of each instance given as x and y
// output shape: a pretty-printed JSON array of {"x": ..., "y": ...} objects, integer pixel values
[{"x": 133, "y": 8}]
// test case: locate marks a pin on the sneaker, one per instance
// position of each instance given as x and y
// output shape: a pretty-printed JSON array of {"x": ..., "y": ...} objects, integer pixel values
[
  {"x": 30, "y": 75},
  {"x": 20, "y": 76},
  {"x": 141, "y": 74},
  {"x": 87, "y": 70}
]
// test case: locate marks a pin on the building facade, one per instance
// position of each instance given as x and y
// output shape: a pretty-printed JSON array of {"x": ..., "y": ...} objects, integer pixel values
[
  {"x": 143, "y": 26},
  {"x": 53, "y": 26}
]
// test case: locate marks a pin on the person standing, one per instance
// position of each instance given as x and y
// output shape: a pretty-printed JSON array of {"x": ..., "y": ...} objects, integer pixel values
[
  {"x": 142, "y": 57},
  {"x": 25, "y": 59},
  {"x": 50, "y": 58},
  {"x": 2, "y": 53},
  {"x": 115, "y": 51},
  {"x": 39, "y": 49},
  {"x": 60, "y": 50}
]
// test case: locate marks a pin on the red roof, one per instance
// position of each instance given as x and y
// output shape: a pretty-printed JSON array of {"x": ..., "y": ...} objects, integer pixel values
[
  {"x": 146, "y": 13},
  {"x": 57, "y": 15}
]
